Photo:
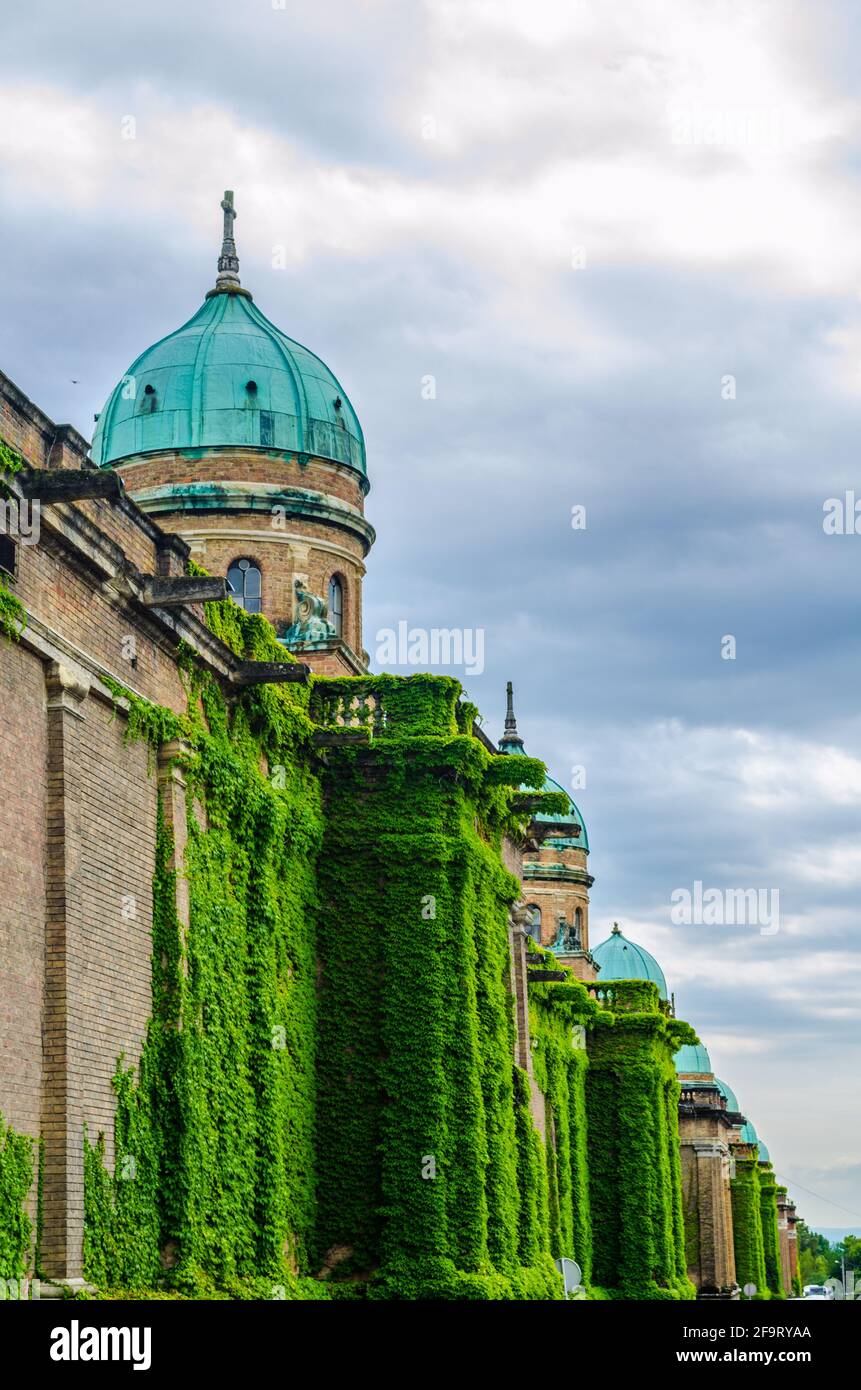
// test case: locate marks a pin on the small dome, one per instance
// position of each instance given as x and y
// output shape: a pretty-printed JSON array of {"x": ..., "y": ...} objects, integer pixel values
[
  {"x": 229, "y": 377},
  {"x": 693, "y": 1060},
  {"x": 621, "y": 959},
  {"x": 728, "y": 1094},
  {"x": 750, "y": 1136},
  {"x": 572, "y": 818}
]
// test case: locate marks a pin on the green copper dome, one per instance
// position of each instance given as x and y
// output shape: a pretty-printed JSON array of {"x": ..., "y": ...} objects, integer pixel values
[
  {"x": 621, "y": 959},
  {"x": 729, "y": 1095},
  {"x": 572, "y": 818},
  {"x": 229, "y": 378},
  {"x": 749, "y": 1136},
  {"x": 693, "y": 1059},
  {"x": 512, "y": 744}
]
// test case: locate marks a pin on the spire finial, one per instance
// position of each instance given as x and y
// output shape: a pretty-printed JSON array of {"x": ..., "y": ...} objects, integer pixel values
[
  {"x": 617, "y": 930},
  {"x": 510, "y": 737},
  {"x": 510, "y": 721},
  {"x": 228, "y": 261}
]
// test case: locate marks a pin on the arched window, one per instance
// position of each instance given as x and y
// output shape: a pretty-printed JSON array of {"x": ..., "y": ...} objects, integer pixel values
[
  {"x": 243, "y": 585},
  {"x": 534, "y": 924},
  {"x": 336, "y": 605},
  {"x": 578, "y": 926}
]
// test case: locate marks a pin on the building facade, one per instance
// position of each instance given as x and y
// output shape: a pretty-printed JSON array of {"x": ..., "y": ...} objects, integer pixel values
[{"x": 286, "y": 1001}]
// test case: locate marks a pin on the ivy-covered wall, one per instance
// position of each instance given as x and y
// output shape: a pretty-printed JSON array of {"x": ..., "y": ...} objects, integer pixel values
[
  {"x": 747, "y": 1226},
  {"x": 559, "y": 1017},
  {"x": 431, "y": 1176},
  {"x": 16, "y": 1179},
  {"x": 214, "y": 1181},
  {"x": 634, "y": 1163},
  {"x": 327, "y": 1102},
  {"x": 770, "y": 1236}
]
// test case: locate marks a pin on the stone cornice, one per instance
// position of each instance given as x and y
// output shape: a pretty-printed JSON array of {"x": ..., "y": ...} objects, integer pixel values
[
  {"x": 295, "y": 538},
  {"x": 558, "y": 873},
  {"x": 226, "y": 496}
]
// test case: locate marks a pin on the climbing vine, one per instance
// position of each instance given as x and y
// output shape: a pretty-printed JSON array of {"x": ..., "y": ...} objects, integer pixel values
[
  {"x": 560, "y": 1061},
  {"x": 213, "y": 1181},
  {"x": 13, "y": 615},
  {"x": 634, "y": 1164},
  {"x": 747, "y": 1227},
  {"x": 443, "y": 1194},
  {"x": 16, "y": 1179},
  {"x": 327, "y": 1102},
  {"x": 770, "y": 1237}
]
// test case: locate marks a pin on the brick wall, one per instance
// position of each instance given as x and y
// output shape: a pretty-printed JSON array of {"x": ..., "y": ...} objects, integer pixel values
[
  {"x": 78, "y": 816},
  {"x": 23, "y": 754}
]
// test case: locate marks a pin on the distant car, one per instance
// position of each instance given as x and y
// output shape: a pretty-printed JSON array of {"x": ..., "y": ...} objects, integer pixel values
[{"x": 817, "y": 1291}]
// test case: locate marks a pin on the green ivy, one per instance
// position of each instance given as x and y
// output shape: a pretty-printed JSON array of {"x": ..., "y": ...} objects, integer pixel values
[
  {"x": 770, "y": 1236},
  {"x": 13, "y": 615},
  {"x": 11, "y": 463},
  {"x": 634, "y": 1157},
  {"x": 747, "y": 1227},
  {"x": 16, "y": 1179},
  {"x": 213, "y": 1185},
  {"x": 327, "y": 1103},
  {"x": 430, "y": 1183}
]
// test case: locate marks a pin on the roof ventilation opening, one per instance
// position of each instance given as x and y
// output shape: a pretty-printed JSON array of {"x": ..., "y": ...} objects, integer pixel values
[
  {"x": 149, "y": 404},
  {"x": 251, "y": 388}
]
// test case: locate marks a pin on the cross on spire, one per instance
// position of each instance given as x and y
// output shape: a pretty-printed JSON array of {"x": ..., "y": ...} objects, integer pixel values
[{"x": 228, "y": 261}]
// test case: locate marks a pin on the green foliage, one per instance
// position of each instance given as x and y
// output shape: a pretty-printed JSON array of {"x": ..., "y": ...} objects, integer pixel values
[
  {"x": 327, "y": 1085},
  {"x": 13, "y": 615},
  {"x": 770, "y": 1237},
  {"x": 747, "y": 1227},
  {"x": 16, "y": 1179},
  {"x": 431, "y": 1174},
  {"x": 634, "y": 1162},
  {"x": 849, "y": 1250},
  {"x": 213, "y": 1181},
  {"x": 11, "y": 463},
  {"x": 558, "y": 1016}
]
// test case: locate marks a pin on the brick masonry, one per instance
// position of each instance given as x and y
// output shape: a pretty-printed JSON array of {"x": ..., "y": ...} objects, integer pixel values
[
  {"x": 299, "y": 546},
  {"x": 77, "y": 817}
]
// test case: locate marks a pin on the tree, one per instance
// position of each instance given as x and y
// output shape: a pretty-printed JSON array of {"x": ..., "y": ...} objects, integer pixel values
[{"x": 815, "y": 1256}]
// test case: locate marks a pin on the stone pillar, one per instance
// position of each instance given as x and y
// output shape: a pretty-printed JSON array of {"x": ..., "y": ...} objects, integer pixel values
[
  {"x": 63, "y": 1181},
  {"x": 792, "y": 1242},
  {"x": 783, "y": 1238},
  {"x": 172, "y": 790},
  {"x": 716, "y": 1273},
  {"x": 704, "y": 1132},
  {"x": 729, "y": 1243}
]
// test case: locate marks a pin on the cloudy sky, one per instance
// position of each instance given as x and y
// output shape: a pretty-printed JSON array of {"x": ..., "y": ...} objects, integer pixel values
[{"x": 625, "y": 241}]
